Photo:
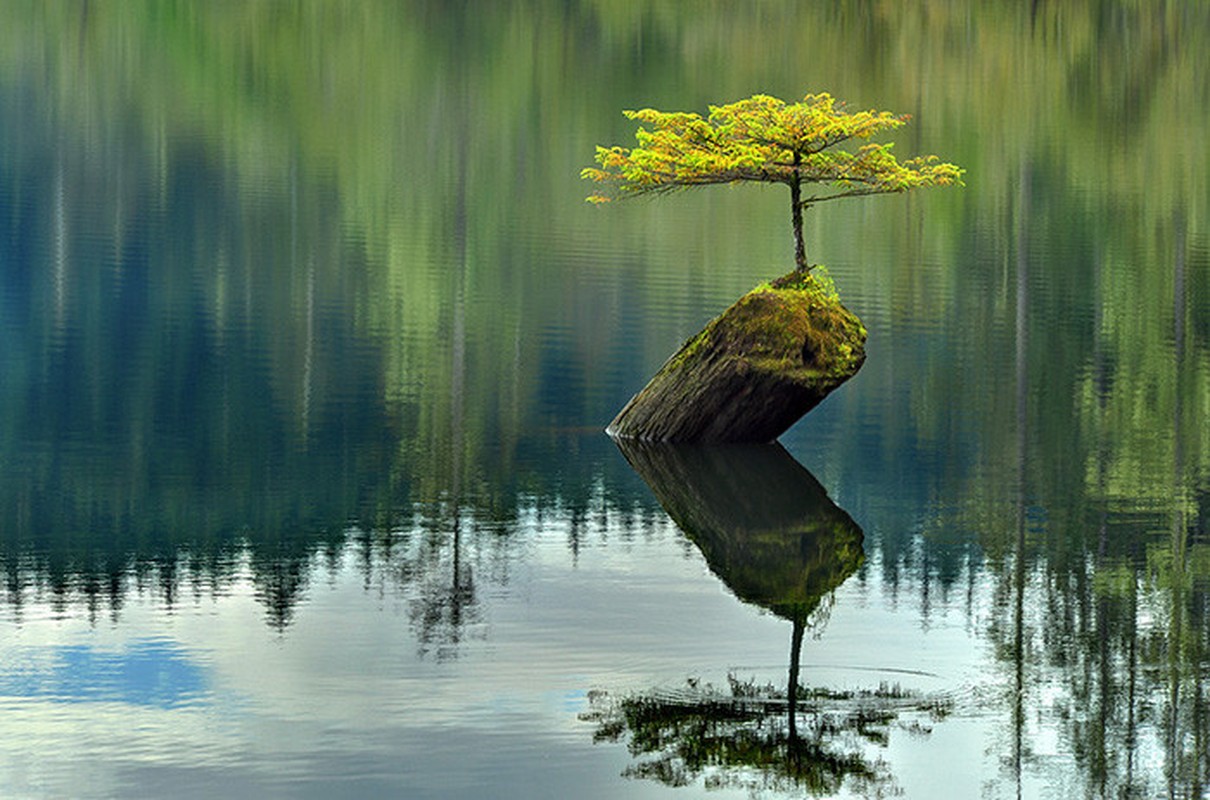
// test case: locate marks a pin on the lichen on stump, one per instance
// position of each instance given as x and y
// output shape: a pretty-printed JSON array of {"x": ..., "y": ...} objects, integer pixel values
[{"x": 753, "y": 371}]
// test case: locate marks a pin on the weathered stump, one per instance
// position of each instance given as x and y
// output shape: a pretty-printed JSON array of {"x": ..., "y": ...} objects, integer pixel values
[{"x": 753, "y": 371}]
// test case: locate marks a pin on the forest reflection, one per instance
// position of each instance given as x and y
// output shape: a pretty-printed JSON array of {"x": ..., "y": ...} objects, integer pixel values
[
  {"x": 1105, "y": 648},
  {"x": 329, "y": 324}
]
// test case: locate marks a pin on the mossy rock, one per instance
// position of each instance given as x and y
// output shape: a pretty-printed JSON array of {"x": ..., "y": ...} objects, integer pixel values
[{"x": 753, "y": 371}]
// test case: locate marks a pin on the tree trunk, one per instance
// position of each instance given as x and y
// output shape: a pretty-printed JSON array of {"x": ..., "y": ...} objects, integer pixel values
[
  {"x": 750, "y": 374},
  {"x": 800, "y": 245},
  {"x": 792, "y": 684}
]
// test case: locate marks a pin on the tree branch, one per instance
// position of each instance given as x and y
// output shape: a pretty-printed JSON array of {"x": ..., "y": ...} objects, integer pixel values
[{"x": 856, "y": 193}]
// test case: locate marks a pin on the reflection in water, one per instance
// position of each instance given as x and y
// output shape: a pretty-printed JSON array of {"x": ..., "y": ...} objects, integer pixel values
[
  {"x": 149, "y": 672},
  {"x": 768, "y": 530},
  {"x": 295, "y": 291},
  {"x": 764, "y": 524},
  {"x": 423, "y": 559},
  {"x": 736, "y": 737}
]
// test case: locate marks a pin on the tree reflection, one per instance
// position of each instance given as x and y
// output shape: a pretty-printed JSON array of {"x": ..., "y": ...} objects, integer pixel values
[
  {"x": 1102, "y": 630},
  {"x": 1041, "y": 411},
  {"x": 767, "y": 530},
  {"x": 734, "y": 737},
  {"x": 443, "y": 602}
]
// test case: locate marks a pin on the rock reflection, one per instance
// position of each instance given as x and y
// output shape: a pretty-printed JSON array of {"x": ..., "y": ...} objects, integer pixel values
[
  {"x": 764, "y": 524},
  {"x": 768, "y": 530}
]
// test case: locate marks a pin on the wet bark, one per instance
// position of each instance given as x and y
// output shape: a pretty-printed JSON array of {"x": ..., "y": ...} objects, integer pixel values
[{"x": 750, "y": 374}]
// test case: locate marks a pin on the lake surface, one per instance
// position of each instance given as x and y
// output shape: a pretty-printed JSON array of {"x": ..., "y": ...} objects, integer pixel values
[{"x": 309, "y": 339}]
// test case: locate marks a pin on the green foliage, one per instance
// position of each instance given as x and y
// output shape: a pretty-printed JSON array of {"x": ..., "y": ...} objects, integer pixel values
[{"x": 764, "y": 139}]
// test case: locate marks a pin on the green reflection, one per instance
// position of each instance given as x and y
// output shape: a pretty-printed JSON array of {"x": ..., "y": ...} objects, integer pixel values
[
  {"x": 764, "y": 524},
  {"x": 374, "y": 205},
  {"x": 768, "y": 530},
  {"x": 381, "y": 102}
]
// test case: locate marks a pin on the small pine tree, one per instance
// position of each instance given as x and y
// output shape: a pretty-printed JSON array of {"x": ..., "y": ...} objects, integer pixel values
[{"x": 766, "y": 140}]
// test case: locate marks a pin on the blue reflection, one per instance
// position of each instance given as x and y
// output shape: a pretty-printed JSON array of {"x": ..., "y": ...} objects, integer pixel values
[{"x": 147, "y": 673}]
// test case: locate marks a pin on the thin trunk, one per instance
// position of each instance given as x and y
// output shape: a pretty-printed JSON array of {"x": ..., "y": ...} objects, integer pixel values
[
  {"x": 792, "y": 688},
  {"x": 1178, "y": 767},
  {"x": 800, "y": 246},
  {"x": 1022, "y": 397}
]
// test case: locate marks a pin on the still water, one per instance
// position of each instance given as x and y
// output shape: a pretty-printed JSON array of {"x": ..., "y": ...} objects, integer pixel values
[{"x": 308, "y": 341}]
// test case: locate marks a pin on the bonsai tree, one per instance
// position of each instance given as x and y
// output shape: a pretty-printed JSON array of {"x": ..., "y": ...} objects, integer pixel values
[{"x": 766, "y": 140}]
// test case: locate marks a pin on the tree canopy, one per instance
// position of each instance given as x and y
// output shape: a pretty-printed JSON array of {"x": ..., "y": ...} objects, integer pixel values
[{"x": 767, "y": 140}]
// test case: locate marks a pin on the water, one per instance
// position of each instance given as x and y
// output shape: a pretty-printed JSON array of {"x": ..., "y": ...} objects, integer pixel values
[{"x": 309, "y": 340}]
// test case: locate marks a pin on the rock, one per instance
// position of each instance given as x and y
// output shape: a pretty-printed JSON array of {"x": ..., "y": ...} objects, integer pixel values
[{"x": 753, "y": 371}]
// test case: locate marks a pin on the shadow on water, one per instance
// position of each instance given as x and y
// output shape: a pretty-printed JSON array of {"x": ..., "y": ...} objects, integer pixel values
[{"x": 769, "y": 531}]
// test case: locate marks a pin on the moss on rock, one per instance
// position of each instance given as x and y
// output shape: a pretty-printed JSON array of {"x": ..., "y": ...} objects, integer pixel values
[{"x": 754, "y": 370}]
